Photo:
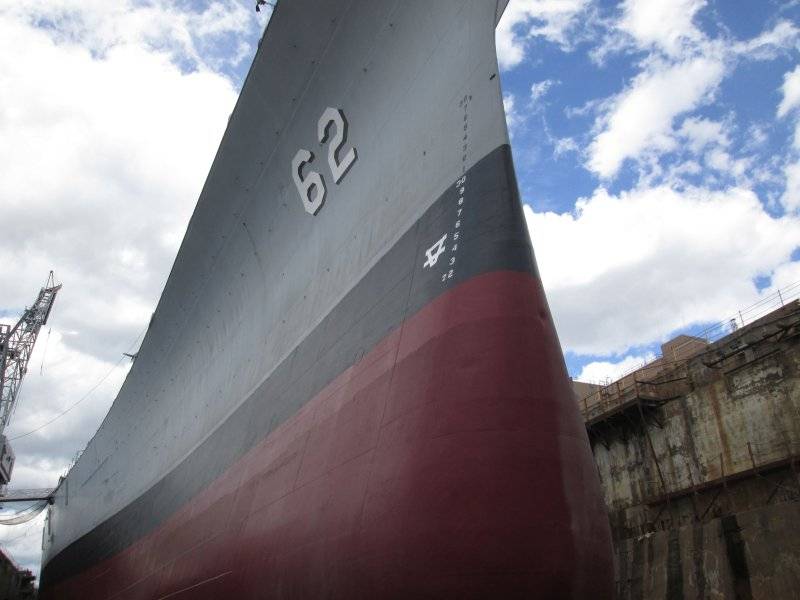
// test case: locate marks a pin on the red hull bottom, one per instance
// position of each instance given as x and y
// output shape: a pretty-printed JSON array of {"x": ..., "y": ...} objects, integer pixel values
[{"x": 450, "y": 462}]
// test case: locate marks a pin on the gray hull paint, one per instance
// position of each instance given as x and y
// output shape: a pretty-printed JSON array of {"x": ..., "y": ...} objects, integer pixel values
[
  {"x": 386, "y": 299},
  {"x": 255, "y": 272}
]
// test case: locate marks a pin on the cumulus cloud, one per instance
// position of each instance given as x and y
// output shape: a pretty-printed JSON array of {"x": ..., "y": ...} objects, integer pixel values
[
  {"x": 784, "y": 277},
  {"x": 665, "y": 25},
  {"x": 670, "y": 30},
  {"x": 629, "y": 269},
  {"x": 791, "y": 195},
  {"x": 59, "y": 381},
  {"x": 790, "y": 101},
  {"x": 82, "y": 157},
  {"x": 770, "y": 44},
  {"x": 194, "y": 36},
  {"x": 604, "y": 371},
  {"x": 699, "y": 133},
  {"x": 539, "y": 89},
  {"x": 791, "y": 92},
  {"x": 723, "y": 162},
  {"x": 681, "y": 72},
  {"x": 110, "y": 115},
  {"x": 65, "y": 396},
  {"x": 525, "y": 20},
  {"x": 513, "y": 118},
  {"x": 24, "y": 542},
  {"x": 640, "y": 119}
]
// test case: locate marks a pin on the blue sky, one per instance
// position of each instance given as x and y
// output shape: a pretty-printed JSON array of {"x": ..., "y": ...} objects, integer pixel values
[
  {"x": 677, "y": 102},
  {"x": 746, "y": 99},
  {"x": 657, "y": 147}
]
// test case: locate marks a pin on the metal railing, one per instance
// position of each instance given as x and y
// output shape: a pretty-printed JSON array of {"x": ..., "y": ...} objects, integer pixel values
[
  {"x": 613, "y": 396},
  {"x": 618, "y": 393}
]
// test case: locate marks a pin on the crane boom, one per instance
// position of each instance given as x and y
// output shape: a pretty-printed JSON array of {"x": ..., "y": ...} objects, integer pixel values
[{"x": 16, "y": 346}]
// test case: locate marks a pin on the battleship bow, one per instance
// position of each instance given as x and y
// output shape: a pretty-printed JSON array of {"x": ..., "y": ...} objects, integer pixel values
[{"x": 351, "y": 387}]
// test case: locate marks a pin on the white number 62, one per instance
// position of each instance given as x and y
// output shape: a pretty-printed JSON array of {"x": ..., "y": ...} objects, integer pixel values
[{"x": 312, "y": 202}]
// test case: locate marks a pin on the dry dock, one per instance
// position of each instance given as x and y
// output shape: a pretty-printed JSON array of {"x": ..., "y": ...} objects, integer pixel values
[{"x": 698, "y": 457}]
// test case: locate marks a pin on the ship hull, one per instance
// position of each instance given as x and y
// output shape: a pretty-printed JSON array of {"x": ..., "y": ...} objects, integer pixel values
[
  {"x": 447, "y": 459},
  {"x": 398, "y": 480},
  {"x": 362, "y": 398}
]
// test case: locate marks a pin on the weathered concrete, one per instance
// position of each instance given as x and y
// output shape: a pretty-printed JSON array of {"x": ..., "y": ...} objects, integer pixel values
[
  {"x": 753, "y": 554},
  {"x": 699, "y": 457}
]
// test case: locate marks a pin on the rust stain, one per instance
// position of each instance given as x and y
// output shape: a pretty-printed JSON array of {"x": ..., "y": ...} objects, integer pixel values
[
  {"x": 688, "y": 435},
  {"x": 723, "y": 435}
]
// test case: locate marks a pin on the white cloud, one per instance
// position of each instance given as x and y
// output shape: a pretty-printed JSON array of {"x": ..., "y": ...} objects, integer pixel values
[
  {"x": 721, "y": 161},
  {"x": 540, "y": 88},
  {"x": 640, "y": 119},
  {"x": 699, "y": 133},
  {"x": 791, "y": 92},
  {"x": 790, "y": 102},
  {"x": 66, "y": 395},
  {"x": 525, "y": 20},
  {"x": 681, "y": 72},
  {"x": 83, "y": 160},
  {"x": 665, "y": 25},
  {"x": 604, "y": 372},
  {"x": 785, "y": 277},
  {"x": 188, "y": 34},
  {"x": 756, "y": 136},
  {"x": 564, "y": 145},
  {"x": 57, "y": 379},
  {"x": 627, "y": 270},
  {"x": 110, "y": 115},
  {"x": 791, "y": 195},
  {"x": 24, "y": 542},
  {"x": 513, "y": 118},
  {"x": 669, "y": 28},
  {"x": 77, "y": 145},
  {"x": 769, "y": 44}
]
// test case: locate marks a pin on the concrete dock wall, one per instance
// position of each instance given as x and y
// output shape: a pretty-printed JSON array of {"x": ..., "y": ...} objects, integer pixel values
[
  {"x": 699, "y": 457},
  {"x": 753, "y": 554}
]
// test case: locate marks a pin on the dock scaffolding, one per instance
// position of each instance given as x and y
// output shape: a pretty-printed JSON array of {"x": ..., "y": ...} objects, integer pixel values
[{"x": 710, "y": 428}]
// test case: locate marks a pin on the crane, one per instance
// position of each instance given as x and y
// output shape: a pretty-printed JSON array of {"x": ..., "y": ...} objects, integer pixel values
[{"x": 16, "y": 346}]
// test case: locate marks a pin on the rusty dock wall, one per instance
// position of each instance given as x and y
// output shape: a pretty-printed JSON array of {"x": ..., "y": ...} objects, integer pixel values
[{"x": 699, "y": 457}]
